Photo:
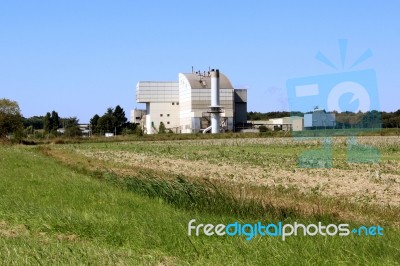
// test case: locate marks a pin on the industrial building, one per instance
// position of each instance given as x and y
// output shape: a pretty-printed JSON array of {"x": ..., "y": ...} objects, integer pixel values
[
  {"x": 288, "y": 123},
  {"x": 319, "y": 119},
  {"x": 199, "y": 101}
]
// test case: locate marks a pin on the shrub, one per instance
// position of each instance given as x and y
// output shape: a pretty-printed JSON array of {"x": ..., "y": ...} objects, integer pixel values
[
  {"x": 161, "y": 128},
  {"x": 263, "y": 129}
]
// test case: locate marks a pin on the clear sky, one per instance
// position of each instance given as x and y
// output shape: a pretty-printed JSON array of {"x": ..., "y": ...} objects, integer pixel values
[{"x": 80, "y": 57}]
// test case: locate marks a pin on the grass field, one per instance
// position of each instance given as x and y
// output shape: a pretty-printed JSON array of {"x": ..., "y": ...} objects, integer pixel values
[{"x": 130, "y": 203}]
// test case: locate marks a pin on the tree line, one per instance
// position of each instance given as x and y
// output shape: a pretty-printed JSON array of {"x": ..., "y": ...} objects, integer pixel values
[
  {"x": 114, "y": 121},
  {"x": 51, "y": 124},
  {"x": 370, "y": 119}
]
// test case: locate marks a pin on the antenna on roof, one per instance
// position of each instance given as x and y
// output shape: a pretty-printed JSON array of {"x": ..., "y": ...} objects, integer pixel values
[{"x": 192, "y": 69}]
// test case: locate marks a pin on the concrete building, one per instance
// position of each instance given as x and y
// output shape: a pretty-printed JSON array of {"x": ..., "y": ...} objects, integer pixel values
[
  {"x": 319, "y": 119},
  {"x": 84, "y": 128},
  {"x": 137, "y": 115},
  {"x": 240, "y": 108},
  {"x": 185, "y": 106},
  {"x": 162, "y": 104},
  {"x": 288, "y": 123},
  {"x": 297, "y": 123}
]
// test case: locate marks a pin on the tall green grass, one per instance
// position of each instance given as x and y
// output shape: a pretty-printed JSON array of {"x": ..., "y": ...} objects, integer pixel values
[{"x": 53, "y": 214}]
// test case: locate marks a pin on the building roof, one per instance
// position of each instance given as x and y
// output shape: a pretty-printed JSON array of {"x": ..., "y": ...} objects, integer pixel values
[{"x": 197, "y": 81}]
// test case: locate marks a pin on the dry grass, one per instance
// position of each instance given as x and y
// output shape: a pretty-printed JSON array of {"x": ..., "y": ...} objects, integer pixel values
[
  {"x": 9, "y": 231},
  {"x": 275, "y": 181},
  {"x": 357, "y": 183}
]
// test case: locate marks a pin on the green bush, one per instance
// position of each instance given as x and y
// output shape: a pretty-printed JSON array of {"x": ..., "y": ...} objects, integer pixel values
[
  {"x": 162, "y": 129},
  {"x": 263, "y": 129}
]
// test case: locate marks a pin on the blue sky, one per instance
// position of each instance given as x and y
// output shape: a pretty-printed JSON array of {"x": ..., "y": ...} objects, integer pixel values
[{"x": 80, "y": 57}]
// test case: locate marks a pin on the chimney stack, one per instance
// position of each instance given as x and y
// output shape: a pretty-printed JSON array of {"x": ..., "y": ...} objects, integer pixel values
[{"x": 215, "y": 102}]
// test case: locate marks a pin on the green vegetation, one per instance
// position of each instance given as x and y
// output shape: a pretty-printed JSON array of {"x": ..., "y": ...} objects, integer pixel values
[
  {"x": 161, "y": 128},
  {"x": 35, "y": 122},
  {"x": 94, "y": 203},
  {"x": 113, "y": 120},
  {"x": 51, "y": 122},
  {"x": 10, "y": 119},
  {"x": 263, "y": 129}
]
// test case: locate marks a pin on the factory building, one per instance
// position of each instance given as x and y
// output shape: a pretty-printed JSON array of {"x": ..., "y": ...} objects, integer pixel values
[
  {"x": 289, "y": 123},
  {"x": 162, "y": 105},
  {"x": 319, "y": 119},
  {"x": 193, "y": 104},
  {"x": 136, "y": 116}
]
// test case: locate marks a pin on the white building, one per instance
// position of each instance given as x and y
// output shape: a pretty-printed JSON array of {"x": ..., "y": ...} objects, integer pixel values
[
  {"x": 288, "y": 123},
  {"x": 137, "y": 115},
  {"x": 319, "y": 119},
  {"x": 162, "y": 104},
  {"x": 184, "y": 106}
]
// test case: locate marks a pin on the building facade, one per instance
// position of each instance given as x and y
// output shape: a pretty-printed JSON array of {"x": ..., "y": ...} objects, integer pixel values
[
  {"x": 319, "y": 119},
  {"x": 162, "y": 104},
  {"x": 184, "y": 106}
]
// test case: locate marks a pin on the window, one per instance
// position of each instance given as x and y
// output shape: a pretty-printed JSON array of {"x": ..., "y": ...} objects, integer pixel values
[
  {"x": 177, "y": 103},
  {"x": 168, "y": 115},
  {"x": 160, "y": 115},
  {"x": 168, "y": 123},
  {"x": 173, "y": 103}
]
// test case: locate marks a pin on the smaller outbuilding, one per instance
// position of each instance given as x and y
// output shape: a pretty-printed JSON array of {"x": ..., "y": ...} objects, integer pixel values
[{"x": 319, "y": 119}]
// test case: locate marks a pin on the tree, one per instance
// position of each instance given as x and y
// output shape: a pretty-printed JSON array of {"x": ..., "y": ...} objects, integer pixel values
[
  {"x": 94, "y": 121},
  {"x": 72, "y": 128},
  {"x": 138, "y": 131},
  {"x": 10, "y": 117},
  {"x": 161, "y": 128},
  {"x": 47, "y": 123},
  {"x": 113, "y": 120},
  {"x": 51, "y": 122},
  {"x": 129, "y": 128},
  {"x": 120, "y": 119},
  {"x": 107, "y": 121},
  {"x": 55, "y": 121},
  {"x": 36, "y": 122}
]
